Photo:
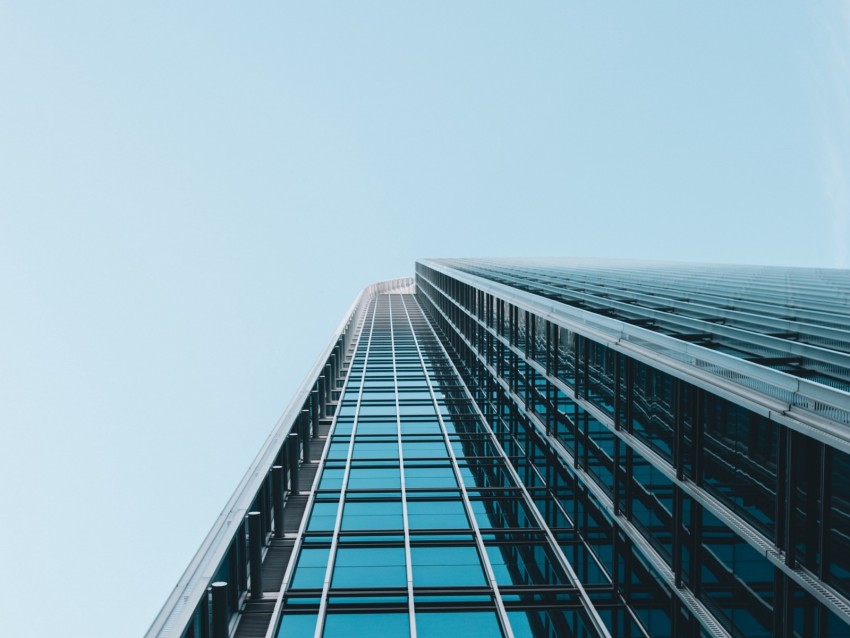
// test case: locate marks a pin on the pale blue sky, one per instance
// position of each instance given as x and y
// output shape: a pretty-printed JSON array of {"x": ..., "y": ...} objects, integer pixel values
[{"x": 192, "y": 193}]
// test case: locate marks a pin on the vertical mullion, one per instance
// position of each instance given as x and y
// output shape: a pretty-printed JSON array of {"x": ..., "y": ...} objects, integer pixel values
[{"x": 407, "y": 553}]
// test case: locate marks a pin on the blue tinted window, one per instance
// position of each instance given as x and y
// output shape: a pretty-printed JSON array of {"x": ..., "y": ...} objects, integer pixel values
[
  {"x": 369, "y": 478},
  {"x": 331, "y": 479},
  {"x": 383, "y": 395},
  {"x": 349, "y": 625},
  {"x": 347, "y": 409},
  {"x": 323, "y": 516},
  {"x": 388, "y": 427},
  {"x": 370, "y": 450},
  {"x": 370, "y": 567},
  {"x": 343, "y": 427},
  {"x": 297, "y": 626},
  {"x": 421, "y": 396},
  {"x": 361, "y": 515},
  {"x": 377, "y": 410},
  {"x": 429, "y": 477},
  {"x": 469, "y": 624},
  {"x": 446, "y": 566},
  {"x": 520, "y": 624},
  {"x": 339, "y": 449},
  {"x": 500, "y": 567},
  {"x": 436, "y": 515},
  {"x": 424, "y": 449},
  {"x": 429, "y": 427},
  {"x": 416, "y": 410},
  {"x": 312, "y": 564}
]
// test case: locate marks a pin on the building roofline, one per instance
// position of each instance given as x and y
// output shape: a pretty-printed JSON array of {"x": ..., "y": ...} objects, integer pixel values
[{"x": 781, "y": 396}]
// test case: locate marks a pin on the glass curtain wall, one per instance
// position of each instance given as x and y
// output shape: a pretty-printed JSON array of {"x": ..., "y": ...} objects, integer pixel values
[
  {"x": 418, "y": 525},
  {"x": 704, "y": 517}
]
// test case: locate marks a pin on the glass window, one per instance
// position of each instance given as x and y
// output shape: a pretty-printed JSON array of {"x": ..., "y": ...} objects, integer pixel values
[
  {"x": 377, "y": 410},
  {"x": 469, "y": 624},
  {"x": 338, "y": 449},
  {"x": 375, "y": 450},
  {"x": 331, "y": 479},
  {"x": 323, "y": 517},
  {"x": 524, "y": 564},
  {"x": 736, "y": 579},
  {"x": 424, "y": 449},
  {"x": 533, "y": 623},
  {"x": 348, "y": 408},
  {"x": 500, "y": 513},
  {"x": 310, "y": 572},
  {"x": 370, "y": 567},
  {"x": 430, "y": 477},
  {"x": 343, "y": 427},
  {"x": 383, "y": 395},
  {"x": 386, "y": 427},
  {"x": 370, "y": 478},
  {"x": 420, "y": 427},
  {"x": 446, "y": 567},
  {"x": 364, "y": 515},
  {"x": 298, "y": 626},
  {"x": 739, "y": 460},
  {"x": 436, "y": 515},
  {"x": 415, "y": 394},
  {"x": 348, "y": 625},
  {"x": 416, "y": 410}
]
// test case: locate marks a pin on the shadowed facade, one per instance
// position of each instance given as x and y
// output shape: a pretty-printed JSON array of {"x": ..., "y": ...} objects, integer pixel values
[{"x": 576, "y": 448}]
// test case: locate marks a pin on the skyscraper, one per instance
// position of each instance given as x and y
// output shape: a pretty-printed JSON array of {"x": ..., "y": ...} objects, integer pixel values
[{"x": 582, "y": 448}]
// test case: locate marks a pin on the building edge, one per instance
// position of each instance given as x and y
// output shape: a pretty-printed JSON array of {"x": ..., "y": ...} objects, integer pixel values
[{"x": 192, "y": 588}]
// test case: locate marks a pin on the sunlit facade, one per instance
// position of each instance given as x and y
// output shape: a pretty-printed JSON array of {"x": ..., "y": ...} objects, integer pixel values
[{"x": 551, "y": 449}]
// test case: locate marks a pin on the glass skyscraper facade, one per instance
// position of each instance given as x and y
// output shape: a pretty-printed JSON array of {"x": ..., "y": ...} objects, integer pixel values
[{"x": 504, "y": 448}]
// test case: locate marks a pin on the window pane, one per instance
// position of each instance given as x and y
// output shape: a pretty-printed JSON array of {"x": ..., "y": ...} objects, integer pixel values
[
  {"x": 436, "y": 515},
  {"x": 297, "y": 626},
  {"x": 360, "y": 515},
  {"x": 446, "y": 567},
  {"x": 370, "y": 478},
  {"x": 323, "y": 517},
  {"x": 470, "y": 624},
  {"x": 348, "y": 625},
  {"x": 312, "y": 564},
  {"x": 370, "y": 567},
  {"x": 429, "y": 477}
]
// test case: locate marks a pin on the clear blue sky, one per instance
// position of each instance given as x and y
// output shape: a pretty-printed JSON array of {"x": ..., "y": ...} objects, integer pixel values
[{"x": 192, "y": 193}]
